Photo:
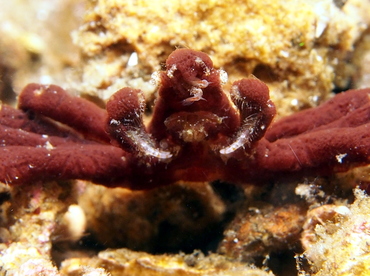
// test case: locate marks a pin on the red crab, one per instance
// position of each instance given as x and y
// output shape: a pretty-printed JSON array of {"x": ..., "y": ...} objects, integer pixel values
[{"x": 198, "y": 132}]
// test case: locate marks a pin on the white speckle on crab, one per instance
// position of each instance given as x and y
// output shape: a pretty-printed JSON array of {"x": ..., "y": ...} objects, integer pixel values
[
  {"x": 38, "y": 92},
  {"x": 171, "y": 71},
  {"x": 223, "y": 77},
  {"x": 340, "y": 157},
  {"x": 270, "y": 104},
  {"x": 114, "y": 122},
  {"x": 48, "y": 145},
  {"x": 235, "y": 90},
  {"x": 205, "y": 68}
]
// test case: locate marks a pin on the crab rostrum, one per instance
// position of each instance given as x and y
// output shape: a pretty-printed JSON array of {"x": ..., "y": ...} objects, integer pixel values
[{"x": 197, "y": 132}]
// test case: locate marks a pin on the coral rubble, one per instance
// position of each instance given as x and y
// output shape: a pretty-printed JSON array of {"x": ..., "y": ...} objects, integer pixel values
[
  {"x": 260, "y": 230},
  {"x": 337, "y": 239},
  {"x": 299, "y": 48},
  {"x": 183, "y": 216},
  {"x": 32, "y": 219},
  {"x": 124, "y": 262}
]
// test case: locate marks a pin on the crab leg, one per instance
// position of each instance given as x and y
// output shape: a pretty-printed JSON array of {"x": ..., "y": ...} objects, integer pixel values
[
  {"x": 54, "y": 102},
  {"x": 12, "y": 137},
  {"x": 126, "y": 127},
  {"x": 320, "y": 152},
  {"x": 347, "y": 108},
  {"x": 15, "y": 124},
  {"x": 101, "y": 164},
  {"x": 251, "y": 96}
]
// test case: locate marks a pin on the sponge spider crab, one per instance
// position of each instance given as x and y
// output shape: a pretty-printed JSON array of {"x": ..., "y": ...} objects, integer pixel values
[{"x": 198, "y": 132}]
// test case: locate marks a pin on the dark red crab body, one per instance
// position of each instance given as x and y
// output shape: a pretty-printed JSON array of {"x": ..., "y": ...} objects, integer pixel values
[
  {"x": 198, "y": 132},
  {"x": 194, "y": 139}
]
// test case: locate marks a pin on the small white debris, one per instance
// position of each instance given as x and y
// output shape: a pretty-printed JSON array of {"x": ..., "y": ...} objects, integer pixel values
[
  {"x": 46, "y": 79},
  {"x": 154, "y": 29},
  {"x": 72, "y": 225},
  {"x": 321, "y": 25},
  {"x": 284, "y": 54},
  {"x": 343, "y": 210},
  {"x": 294, "y": 102},
  {"x": 323, "y": 12},
  {"x": 155, "y": 78},
  {"x": 133, "y": 60}
]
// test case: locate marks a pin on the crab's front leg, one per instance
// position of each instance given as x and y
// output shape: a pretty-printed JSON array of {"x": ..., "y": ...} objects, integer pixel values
[
  {"x": 125, "y": 125},
  {"x": 251, "y": 96},
  {"x": 54, "y": 102}
]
